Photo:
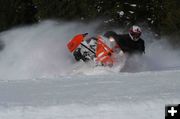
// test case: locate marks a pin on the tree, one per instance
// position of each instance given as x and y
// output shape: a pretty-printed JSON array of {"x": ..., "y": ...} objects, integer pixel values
[
  {"x": 171, "y": 21},
  {"x": 16, "y": 12},
  {"x": 161, "y": 15}
]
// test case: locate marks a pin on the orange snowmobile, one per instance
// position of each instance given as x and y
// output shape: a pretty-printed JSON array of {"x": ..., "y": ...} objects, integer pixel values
[{"x": 98, "y": 49}]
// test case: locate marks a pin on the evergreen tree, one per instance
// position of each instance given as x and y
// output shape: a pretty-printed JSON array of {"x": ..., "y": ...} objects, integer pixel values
[
  {"x": 16, "y": 12},
  {"x": 161, "y": 15},
  {"x": 171, "y": 21}
]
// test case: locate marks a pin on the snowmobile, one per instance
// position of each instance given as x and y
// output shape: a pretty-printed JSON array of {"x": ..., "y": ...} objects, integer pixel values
[{"x": 101, "y": 50}]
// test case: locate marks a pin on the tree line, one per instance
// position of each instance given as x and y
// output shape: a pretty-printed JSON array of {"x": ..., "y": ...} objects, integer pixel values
[{"x": 163, "y": 16}]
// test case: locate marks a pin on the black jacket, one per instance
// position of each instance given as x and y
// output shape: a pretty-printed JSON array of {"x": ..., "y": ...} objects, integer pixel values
[{"x": 126, "y": 44}]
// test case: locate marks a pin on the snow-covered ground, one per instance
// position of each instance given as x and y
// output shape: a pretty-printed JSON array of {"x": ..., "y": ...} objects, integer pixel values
[
  {"x": 124, "y": 95},
  {"x": 39, "y": 80}
]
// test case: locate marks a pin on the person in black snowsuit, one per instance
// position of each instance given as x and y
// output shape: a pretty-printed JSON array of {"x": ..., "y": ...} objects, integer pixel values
[{"x": 129, "y": 43}]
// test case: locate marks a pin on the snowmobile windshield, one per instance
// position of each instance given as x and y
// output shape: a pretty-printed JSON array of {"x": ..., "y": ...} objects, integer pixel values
[{"x": 110, "y": 42}]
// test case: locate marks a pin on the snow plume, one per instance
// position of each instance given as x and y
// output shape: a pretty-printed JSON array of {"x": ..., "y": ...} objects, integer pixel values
[
  {"x": 163, "y": 55},
  {"x": 159, "y": 55},
  {"x": 39, "y": 51}
]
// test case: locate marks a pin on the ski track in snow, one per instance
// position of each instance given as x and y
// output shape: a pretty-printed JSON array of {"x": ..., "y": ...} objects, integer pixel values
[{"x": 39, "y": 81}]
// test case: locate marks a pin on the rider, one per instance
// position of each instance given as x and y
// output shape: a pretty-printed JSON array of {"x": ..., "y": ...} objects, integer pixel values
[{"x": 129, "y": 43}]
